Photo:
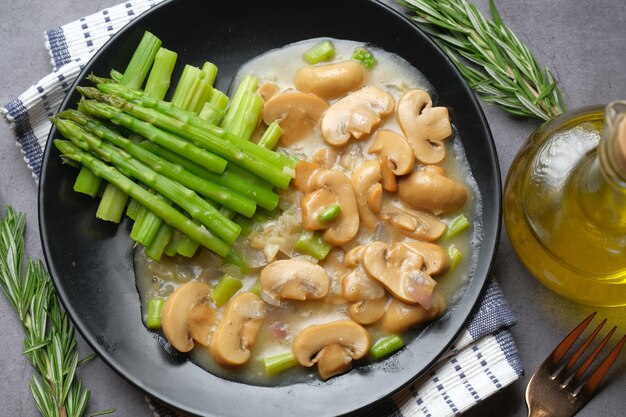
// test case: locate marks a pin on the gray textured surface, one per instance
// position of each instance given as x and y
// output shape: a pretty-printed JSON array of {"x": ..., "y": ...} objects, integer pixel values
[{"x": 585, "y": 42}]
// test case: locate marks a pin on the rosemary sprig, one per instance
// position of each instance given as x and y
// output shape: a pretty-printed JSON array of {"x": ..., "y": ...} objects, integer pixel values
[
  {"x": 49, "y": 342},
  {"x": 501, "y": 67}
]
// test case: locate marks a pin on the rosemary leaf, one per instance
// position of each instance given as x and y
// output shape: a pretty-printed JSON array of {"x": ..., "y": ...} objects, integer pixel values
[
  {"x": 499, "y": 66},
  {"x": 49, "y": 342}
]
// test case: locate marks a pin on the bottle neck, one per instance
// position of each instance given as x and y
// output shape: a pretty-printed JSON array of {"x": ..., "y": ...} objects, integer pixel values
[{"x": 601, "y": 181}]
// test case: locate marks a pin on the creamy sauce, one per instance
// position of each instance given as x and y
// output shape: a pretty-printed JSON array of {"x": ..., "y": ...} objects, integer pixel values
[{"x": 282, "y": 324}]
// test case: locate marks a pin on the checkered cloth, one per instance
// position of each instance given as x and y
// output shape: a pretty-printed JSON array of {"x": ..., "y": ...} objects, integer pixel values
[{"x": 484, "y": 357}]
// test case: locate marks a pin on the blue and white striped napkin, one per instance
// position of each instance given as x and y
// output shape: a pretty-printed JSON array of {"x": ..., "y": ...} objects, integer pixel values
[{"x": 484, "y": 357}]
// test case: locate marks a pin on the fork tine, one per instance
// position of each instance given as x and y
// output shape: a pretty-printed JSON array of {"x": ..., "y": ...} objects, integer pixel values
[
  {"x": 584, "y": 346},
  {"x": 592, "y": 384},
  {"x": 567, "y": 343},
  {"x": 594, "y": 355}
]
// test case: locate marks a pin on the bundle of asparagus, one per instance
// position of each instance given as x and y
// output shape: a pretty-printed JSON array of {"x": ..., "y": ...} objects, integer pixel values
[{"x": 188, "y": 164}]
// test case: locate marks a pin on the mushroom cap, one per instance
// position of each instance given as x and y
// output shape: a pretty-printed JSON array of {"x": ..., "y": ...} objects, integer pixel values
[
  {"x": 400, "y": 317},
  {"x": 294, "y": 279},
  {"x": 236, "y": 333},
  {"x": 353, "y": 337},
  {"x": 424, "y": 126},
  {"x": 436, "y": 258},
  {"x": 414, "y": 223},
  {"x": 366, "y": 183},
  {"x": 432, "y": 191},
  {"x": 355, "y": 115},
  {"x": 368, "y": 311},
  {"x": 297, "y": 113},
  {"x": 399, "y": 269},
  {"x": 343, "y": 228},
  {"x": 177, "y": 311},
  {"x": 330, "y": 80},
  {"x": 396, "y": 149}
]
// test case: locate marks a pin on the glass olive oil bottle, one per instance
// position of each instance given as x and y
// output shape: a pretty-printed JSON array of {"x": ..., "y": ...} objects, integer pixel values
[{"x": 565, "y": 204}]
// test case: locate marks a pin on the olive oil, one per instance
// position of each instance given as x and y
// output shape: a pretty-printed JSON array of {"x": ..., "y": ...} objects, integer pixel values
[{"x": 565, "y": 205}]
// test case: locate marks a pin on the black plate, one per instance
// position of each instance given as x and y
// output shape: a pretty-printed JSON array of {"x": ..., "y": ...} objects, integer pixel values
[{"x": 91, "y": 261}]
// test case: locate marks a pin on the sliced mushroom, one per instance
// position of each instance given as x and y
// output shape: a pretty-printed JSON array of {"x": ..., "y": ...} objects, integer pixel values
[
  {"x": 304, "y": 172},
  {"x": 267, "y": 90},
  {"x": 330, "y": 344},
  {"x": 355, "y": 115},
  {"x": 326, "y": 158},
  {"x": 399, "y": 269},
  {"x": 331, "y": 80},
  {"x": 368, "y": 311},
  {"x": 358, "y": 286},
  {"x": 297, "y": 113},
  {"x": 311, "y": 206},
  {"x": 389, "y": 181},
  {"x": 425, "y": 127},
  {"x": 336, "y": 269},
  {"x": 395, "y": 155},
  {"x": 202, "y": 323},
  {"x": 354, "y": 256},
  {"x": 436, "y": 258},
  {"x": 236, "y": 333},
  {"x": 333, "y": 360},
  {"x": 343, "y": 228},
  {"x": 400, "y": 317},
  {"x": 416, "y": 224},
  {"x": 368, "y": 190},
  {"x": 432, "y": 191},
  {"x": 186, "y": 317},
  {"x": 294, "y": 279}
]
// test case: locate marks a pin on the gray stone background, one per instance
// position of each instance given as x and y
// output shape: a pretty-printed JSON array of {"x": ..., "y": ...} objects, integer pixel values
[{"x": 583, "y": 41}]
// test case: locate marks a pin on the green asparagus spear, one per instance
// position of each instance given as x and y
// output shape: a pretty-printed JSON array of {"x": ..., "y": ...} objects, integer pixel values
[
  {"x": 231, "y": 177},
  {"x": 187, "y": 199},
  {"x": 170, "y": 215},
  {"x": 172, "y": 142},
  {"x": 238, "y": 151},
  {"x": 139, "y": 65},
  {"x": 87, "y": 182},
  {"x": 128, "y": 96},
  {"x": 217, "y": 193},
  {"x": 161, "y": 73}
]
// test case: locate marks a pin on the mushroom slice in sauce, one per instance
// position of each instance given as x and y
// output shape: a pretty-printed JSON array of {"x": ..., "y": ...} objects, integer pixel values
[
  {"x": 185, "y": 316},
  {"x": 355, "y": 115},
  {"x": 368, "y": 311},
  {"x": 395, "y": 155},
  {"x": 415, "y": 224},
  {"x": 399, "y": 269},
  {"x": 368, "y": 190},
  {"x": 400, "y": 317},
  {"x": 330, "y": 80},
  {"x": 236, "y": 333},
  {"x": 330, "y": 344},
  {"x": 294, "y": 279},
  {"x": 430, "y": 189},
  {"x": 344, "y": 228},
  {"x": 297, "y": 114},
  {"x": 426, "y": 127},
  {"x": 436, "y": 258},
  {"x": 358, "y": 286}
]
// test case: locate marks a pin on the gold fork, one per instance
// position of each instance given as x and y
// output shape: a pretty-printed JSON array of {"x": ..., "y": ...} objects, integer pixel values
[{"x": 558, "y": 390}]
